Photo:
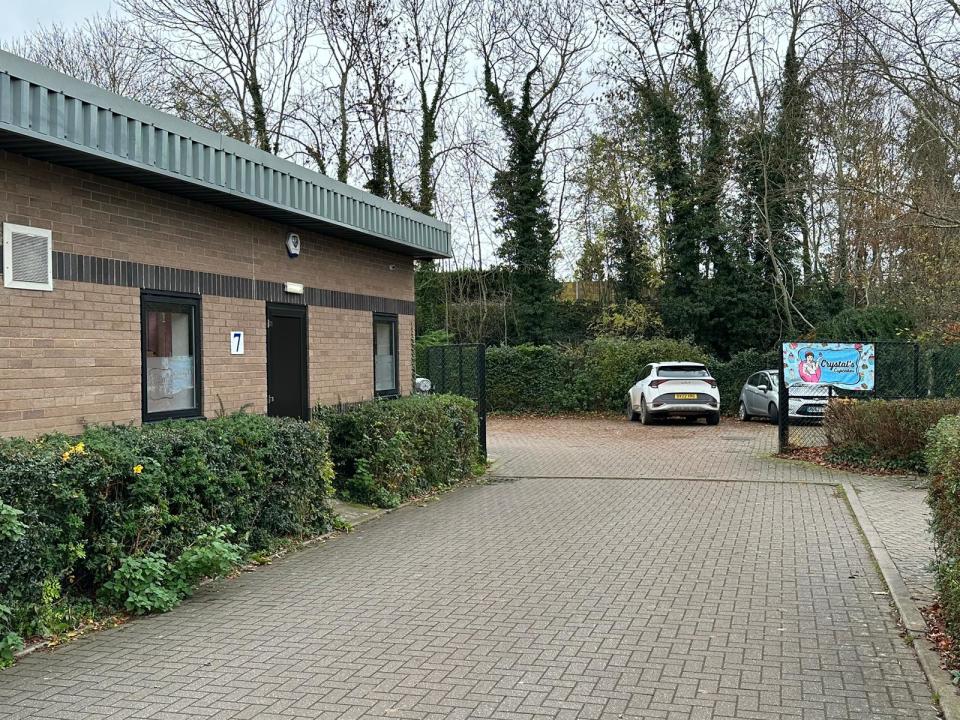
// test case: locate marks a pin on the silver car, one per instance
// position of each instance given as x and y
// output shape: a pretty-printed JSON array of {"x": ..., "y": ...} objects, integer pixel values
[{"x": 760, "y": 397}]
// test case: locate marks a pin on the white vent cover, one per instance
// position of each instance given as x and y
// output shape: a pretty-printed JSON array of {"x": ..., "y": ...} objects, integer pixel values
[{"x": 27, "y": 258}]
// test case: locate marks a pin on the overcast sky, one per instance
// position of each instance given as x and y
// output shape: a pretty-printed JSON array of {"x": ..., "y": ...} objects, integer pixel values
[{"x": 21, "y": 16}]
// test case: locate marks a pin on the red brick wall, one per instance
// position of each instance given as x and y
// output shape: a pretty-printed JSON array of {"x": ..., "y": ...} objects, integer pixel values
[{"x": 73, "y": 356}]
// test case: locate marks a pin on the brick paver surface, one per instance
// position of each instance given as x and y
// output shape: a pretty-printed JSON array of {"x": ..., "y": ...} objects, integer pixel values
[
  {"x": 534, "y": 598},
  {"x": 899, "y": 512},
  {"x": 613, "y": 447}
]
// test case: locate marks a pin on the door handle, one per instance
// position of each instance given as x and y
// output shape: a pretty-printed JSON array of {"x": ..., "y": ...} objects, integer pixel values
[{"x": 269, "y": 399}]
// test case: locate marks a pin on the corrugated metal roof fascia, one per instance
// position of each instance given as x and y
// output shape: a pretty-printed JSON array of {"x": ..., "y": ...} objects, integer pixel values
[{"x": 44, "y": 104}]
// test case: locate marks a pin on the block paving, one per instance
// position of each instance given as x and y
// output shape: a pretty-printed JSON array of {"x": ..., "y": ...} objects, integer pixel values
[{"x": 538, "y": 597}]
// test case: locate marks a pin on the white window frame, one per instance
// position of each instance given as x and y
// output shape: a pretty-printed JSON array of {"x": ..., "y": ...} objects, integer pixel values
[{"x": 8, "y": 230}]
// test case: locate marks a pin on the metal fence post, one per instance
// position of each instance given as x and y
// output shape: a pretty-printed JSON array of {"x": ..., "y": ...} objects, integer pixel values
[
  {"x": 916, "y": 370},
  {"x": 783, "y": 408},
  {"x": 482, "y": 396}
]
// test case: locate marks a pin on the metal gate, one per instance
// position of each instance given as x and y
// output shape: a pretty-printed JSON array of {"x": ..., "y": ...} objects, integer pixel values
[{"x": 459, "y": 370}]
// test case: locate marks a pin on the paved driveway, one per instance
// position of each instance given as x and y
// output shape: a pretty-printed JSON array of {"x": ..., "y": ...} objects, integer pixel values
[
  {"x": 543, "y": 597},
  {"x": 611, "y": 447}
]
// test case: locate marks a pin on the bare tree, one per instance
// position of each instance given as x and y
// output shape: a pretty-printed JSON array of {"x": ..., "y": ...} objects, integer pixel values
[
  {"x": 102, "y": 50},
  {"x": 436, "y": 59},
  {"x": 236, "y": 62}
]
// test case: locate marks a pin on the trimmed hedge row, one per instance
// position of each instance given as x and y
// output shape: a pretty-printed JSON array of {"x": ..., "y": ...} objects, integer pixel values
[
  {"x": 596, "y": 375},
  {"x": 943, "y": 460},
  {"x": 387, "y": 451},
  {"x": 74, "y": 509},
  {"x": 884, "y": 433}
]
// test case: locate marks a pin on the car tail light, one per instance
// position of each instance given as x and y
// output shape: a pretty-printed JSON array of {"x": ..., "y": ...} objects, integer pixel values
[
  {"x": 711, "y": 382},
  {"x": 657, "y": 383}
]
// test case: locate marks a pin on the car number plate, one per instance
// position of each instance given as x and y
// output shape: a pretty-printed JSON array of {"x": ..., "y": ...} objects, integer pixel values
[{"x": 684, "y": 396}]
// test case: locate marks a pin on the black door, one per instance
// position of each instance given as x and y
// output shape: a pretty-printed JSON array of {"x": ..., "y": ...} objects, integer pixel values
[{"x": 287, "y": 361}]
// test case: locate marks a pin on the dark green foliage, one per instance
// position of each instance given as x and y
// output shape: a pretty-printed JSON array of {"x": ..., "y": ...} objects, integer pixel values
[
  {"x": 139, "y": 585},
  {"x": 876, "y": 322},
  {"x": 531, "y": 378},
  {"x": 91, "y": 501},
  {"x": 428, "y": 340},
  {"x": 592, "y": 376},
  {"x": 884, "y": 433},
  {"x": 943, "y": 461},
  {"x": 148, "y": 583},
  {"x": 524, "y": 220},
  {"x": 631, "y": 256},
  {"x": 609, "y": 367},
  {"x": 389, "y": 450},
  {"x": 731, "y": 375}
]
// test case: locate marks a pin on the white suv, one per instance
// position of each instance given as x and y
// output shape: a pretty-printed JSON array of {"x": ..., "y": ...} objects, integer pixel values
[{"x": 674, "y": 389}]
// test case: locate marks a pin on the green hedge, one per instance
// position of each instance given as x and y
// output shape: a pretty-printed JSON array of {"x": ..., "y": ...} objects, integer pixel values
[
  {"x": 593, "y": 376},
  {"x": 389, "y": 450},
  {"x": 943, "y": 460},
  {"x": 731, "y": 375},
  {"x": 81, "y": 506},
  {"x": 890, "y": 434},
  {"x": 531, "y": 378}
]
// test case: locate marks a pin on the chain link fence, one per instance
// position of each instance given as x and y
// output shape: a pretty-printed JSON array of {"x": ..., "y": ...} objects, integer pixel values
[{"x": 902, "y": 370}]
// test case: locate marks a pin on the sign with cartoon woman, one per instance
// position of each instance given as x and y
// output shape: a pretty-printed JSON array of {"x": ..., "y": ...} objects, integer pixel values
[{"x": 849, "y": 366}]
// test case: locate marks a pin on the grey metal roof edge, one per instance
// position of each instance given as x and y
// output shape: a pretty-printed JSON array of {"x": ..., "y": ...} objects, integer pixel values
[{"x": 57, "y": 82}]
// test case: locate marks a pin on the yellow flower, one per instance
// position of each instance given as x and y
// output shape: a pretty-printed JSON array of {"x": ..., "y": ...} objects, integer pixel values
[
  {"x": 137, "y": 469},
  {"x": 75, "y": 450}
]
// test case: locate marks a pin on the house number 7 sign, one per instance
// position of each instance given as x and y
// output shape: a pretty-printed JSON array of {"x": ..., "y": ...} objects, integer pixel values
[{"x": 236, "y": 342}]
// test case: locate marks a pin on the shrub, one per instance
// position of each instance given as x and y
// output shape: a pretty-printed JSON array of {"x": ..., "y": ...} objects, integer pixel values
[
  {"x": 148, "y": 583},
  {"x": 592, "y": 376},
  {"x": 884, "y": 433},
  {"x": 610, "y": 367},
  {"x": 877, "y": 322},
  {"x": 943, "y": 460},
  {"x": 531, "y": 378},
  {"x": 88, "y": 503},
  {"x": 388, "y": 450}
]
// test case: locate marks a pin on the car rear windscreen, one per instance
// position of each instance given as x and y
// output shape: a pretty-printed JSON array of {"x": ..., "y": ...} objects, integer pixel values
[{"x": 682, "y": 371}]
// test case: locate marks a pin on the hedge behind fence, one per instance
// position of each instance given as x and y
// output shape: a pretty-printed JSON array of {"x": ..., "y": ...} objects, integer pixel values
[
  {"x": 597, "y": 375},
  {"x": 884, "y": 433},
  {"x": 387, "y": 451},
  {"x": 943, "y": 460},
  {"x": 83, "y": 504}
]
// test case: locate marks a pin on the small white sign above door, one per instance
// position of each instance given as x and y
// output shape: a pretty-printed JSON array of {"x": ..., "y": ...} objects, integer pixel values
[{"x": 236, "y": 342}]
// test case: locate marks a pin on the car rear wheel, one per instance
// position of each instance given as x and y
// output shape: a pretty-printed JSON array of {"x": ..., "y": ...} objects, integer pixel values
[
  {"x": 645, "y": 418},
  {"x": 713, "y": 419},
  {"x": 742, "y": 413},
  {"x": 631, "y": 413},
  {"x": 773, "y": 414}
]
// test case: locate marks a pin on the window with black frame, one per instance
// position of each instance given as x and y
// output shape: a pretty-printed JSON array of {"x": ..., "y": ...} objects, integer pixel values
[
  {"x": 170, "y": 346},
  {"x": 385, "y": 365}
]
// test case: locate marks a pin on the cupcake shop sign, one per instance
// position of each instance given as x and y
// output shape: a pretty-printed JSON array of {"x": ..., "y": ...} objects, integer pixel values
[{"x": 849, "y": 366}]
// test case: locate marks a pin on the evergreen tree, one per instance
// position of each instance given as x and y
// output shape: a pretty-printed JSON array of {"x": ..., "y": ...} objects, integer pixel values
[
  {"x": 631, "y": 259},
  {"x": 522, "y": 209}
]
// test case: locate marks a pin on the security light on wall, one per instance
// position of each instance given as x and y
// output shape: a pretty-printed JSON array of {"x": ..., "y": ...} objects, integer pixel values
[{"x": 293, "y": 245}]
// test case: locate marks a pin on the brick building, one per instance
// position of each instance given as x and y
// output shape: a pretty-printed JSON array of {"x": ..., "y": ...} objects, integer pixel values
[{"x": 156, "y": 269}]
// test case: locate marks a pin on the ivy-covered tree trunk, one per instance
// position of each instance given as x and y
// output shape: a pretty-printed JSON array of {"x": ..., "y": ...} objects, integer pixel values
[{"x": 523, "y": 215}]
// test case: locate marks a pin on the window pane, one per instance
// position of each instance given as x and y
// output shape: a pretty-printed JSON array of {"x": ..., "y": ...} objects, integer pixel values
[
  {"x": 384, "y": 365},
  {"x": 170, "y": 359},
  {"x": 683, "y": 371}
]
